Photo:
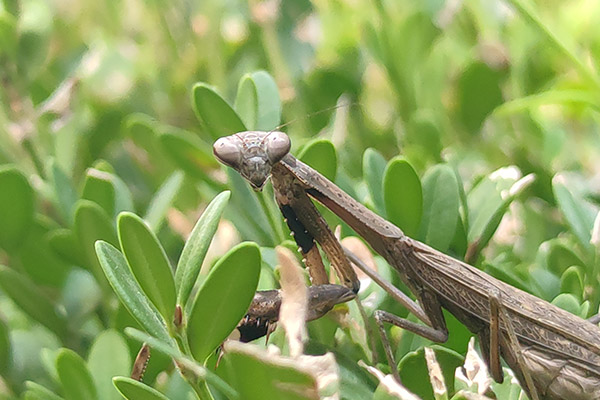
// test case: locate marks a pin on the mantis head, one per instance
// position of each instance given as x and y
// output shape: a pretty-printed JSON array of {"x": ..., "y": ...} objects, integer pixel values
[{"x": 252, "y": 154}]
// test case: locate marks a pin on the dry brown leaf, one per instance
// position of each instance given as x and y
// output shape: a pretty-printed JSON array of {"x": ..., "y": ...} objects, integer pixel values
[
  {"x": 435, "y": 373},
  {"x": 294, "y": 300},
  {"x": 474, "y": 371}
]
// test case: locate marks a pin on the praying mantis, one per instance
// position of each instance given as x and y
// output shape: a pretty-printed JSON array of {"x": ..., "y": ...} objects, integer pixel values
[{"x": 554, "y": 354}]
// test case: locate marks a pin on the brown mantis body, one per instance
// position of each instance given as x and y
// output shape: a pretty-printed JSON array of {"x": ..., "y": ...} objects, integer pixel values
[{"x": 554, "y": 354}]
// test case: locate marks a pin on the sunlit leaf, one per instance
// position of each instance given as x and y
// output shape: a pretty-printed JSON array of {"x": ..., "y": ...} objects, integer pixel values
[
  {"x": 214, "y": 112},
  {"x": 148, "y": 262},
  {"x": 196, "y": 247},
  {"x": 16, "y": 207},
  {"x": 403, "y": 196},
  {"x": 74, "y": 376},
  {"x": 30, "y": 299},
  {"x": 320, "y": 154},
  {"x": 221, "y": 301},
  {"x": 129, "y": 291},
  {"x": 440, "y": 207},
  {"x": 135, "y": 390},
  {"x": 109, "y": 356},
  {"x": 258, "y": 102}
]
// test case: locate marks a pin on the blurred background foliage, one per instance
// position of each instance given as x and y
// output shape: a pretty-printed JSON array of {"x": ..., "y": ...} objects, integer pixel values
[{"x": 99, "y": 114}]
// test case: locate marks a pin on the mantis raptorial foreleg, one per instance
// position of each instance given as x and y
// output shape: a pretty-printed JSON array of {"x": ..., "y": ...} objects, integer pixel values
[{"x": 292, "y": 199}]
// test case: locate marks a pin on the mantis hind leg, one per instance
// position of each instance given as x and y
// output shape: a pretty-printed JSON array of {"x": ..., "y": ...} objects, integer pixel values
[
  {"x": 437, "y": 333},
  {"x": 511, "y": 343}
]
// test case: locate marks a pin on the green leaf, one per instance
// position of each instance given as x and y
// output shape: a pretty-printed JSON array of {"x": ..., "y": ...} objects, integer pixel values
[
  {"x": 320, "y": 154},
  {"x": 16, "y": 207},
  {"x": 440, "y": 207},
  {"x": 129, "y": 291},
  {"x": 64, "y": 244},
  {"x": 108, "y": 191},
  {"x": 569, "y": 302},
  {"x": 64, "y": 193},
  {"x": 92, "y": 224},
  {"x": 196, "y": 246},
  {"x": 249, "y": 370},
  {"x": 169, "y": 350},
  {"x": 487, "y": 206},
  {"x": 135, "y": 390},
  {"x": 35, "y": 391},
  {"x": 5, "y": 349},
  {"x": 109, "y": 356},
  {"x": 251, "y": 214},
  {"x": 99, "y": 189},
  {"x": 148, "y": 262},
  {"x": 571, "y": 281},
  {"x": 8, "y": 35},
  {"x": 373, "y": 172},
  {"x": 74, "y": 376},
  {"x": 38, "y": 259},
  {"x": 561, "y": 257},
  {"x": 578, "y": 214},
  {"x": 188, "y": 152},
  {"x": 223, "y": 299},
  {"x": 163, "y": 200},
  {"x": 479, "y": 93},
  {"x": 29, "y": 298},
  {"x": 212, "y": 110},
  {"x": 423, "y": 131},
  {"x": 257, "y": 102},
  {"x": 403, "y": 195},
  {"x": 414, "y": 372}
]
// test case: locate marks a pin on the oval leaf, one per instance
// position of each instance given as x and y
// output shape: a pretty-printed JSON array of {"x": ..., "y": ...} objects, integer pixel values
[
  {"x": 188, "y": 153},
  {"x": 109, "y": 357},
  {"x": 223, "y": 299},
  {"x": 578, "y": 215},
  {"x": 479, "y": 93},
  {"x": 320, "y": 154},
  {"x": 568, "y": 302},
  {"x": 403, "y": 195},
  {"x": 16, "y": 207},
  {"x": 440, "y": 207},
  {"x": 92, "y": 224},
  {"x": 571, "y": 281},
  {"x": 258, "y": 102},
  {"x": 129, "y": 291},
  {"x": 373, "y": 171},
  {"x": 196, "y": 247},
  {"x": 148, "y": 262},
  {"x": 413, "y": 368},
  {"x": 99, "y": 189},
  {"x": 35, "y": 391},
  {"x": 135, "y": 390},
  {"x": 162, "y": 200},
  {"x": 214, "y": 112},
  {"x": 65, "y": 195},
  {"x": 29, "y": 298},
  {"x": 74, "y": 376},
  {"x": 5, "y": 349}
]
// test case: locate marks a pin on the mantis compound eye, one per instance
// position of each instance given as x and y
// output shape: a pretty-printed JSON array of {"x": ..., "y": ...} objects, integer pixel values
[
  {"x": 278, "y": 145},
  {"x": 228, "y": 151}
]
